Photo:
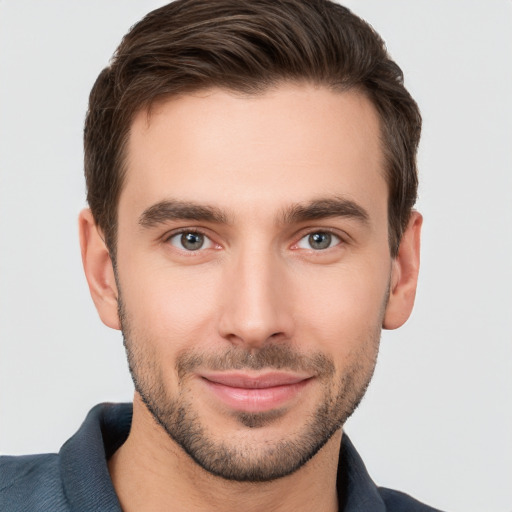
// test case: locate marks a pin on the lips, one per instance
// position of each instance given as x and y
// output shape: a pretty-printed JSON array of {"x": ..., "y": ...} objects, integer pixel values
[{"x": 255, "y": 393}]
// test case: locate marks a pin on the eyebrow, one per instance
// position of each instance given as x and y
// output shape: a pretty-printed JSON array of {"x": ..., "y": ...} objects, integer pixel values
[
  {"x": 167, "y": 210},
  {"x": 325, "y": 208},
  {"x": 173, "y": 209}
]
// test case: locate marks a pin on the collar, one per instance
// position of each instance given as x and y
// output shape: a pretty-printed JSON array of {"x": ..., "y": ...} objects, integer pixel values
[
  {"x": 87, "y": 484},
  {"x": 356, "y": 490},
  {"x": 83, "y": 458}
]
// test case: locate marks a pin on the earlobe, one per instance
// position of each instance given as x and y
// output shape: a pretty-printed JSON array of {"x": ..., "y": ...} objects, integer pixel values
[
  {"x": 404, "y": 275},
  {"x": 98, "y": 269}
]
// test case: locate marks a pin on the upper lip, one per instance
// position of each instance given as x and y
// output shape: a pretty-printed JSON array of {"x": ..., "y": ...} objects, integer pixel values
[{"x": 260, "y": 381}]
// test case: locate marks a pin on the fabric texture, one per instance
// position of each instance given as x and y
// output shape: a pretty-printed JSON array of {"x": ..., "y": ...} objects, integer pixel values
[{"x": 77, "y": 478}]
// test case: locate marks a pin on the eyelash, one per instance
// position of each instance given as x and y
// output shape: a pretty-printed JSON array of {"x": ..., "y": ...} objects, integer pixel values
[
  {"x": 331, "y": 233},
  {"x": 182, "y": 232}
]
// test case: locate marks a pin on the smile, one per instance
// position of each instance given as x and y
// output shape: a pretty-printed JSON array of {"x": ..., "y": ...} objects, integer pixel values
[{"x": 249, "y": 393}]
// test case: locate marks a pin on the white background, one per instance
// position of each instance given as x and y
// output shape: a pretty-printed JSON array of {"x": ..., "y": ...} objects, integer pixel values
[{"x": 437, "y": 421}]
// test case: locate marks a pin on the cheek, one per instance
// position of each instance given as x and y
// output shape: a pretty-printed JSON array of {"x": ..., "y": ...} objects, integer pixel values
[
  {"x": 344, "y": 308},
  {"x": 171, "y": 308}
]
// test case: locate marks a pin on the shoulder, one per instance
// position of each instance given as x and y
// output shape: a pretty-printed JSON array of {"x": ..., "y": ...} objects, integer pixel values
[
  {"x": 31, "y": 483},
  {"x": 397, "y": 501}
]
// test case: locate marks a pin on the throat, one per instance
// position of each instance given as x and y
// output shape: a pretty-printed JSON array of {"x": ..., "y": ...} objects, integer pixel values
[{"x": 150, "y": 471}]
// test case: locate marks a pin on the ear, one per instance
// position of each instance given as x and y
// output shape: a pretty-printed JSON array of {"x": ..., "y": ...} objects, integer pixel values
[
  {"x": 404, "y": 275},
  {"x": 98, "y": 269}
]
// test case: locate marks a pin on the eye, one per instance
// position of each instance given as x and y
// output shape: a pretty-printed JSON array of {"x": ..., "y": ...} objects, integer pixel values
[
  {"x": 318, "y": 240},
  {"x": 190, "y": 241}
]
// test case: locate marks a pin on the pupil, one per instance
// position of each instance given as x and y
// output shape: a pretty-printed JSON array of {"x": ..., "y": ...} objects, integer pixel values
[
  {"x": 192, "y": 241},
  {"x": 320, "y": 240}
]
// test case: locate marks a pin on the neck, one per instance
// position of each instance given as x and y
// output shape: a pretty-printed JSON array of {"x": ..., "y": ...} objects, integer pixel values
[{"x": 151, "y": 472}]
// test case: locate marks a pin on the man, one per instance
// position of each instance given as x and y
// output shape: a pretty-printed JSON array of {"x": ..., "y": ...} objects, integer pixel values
[{"x": 251, "y": 178}]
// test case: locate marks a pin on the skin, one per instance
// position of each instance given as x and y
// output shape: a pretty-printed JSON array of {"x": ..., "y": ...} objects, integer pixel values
[{"x": 257, "y": 162}]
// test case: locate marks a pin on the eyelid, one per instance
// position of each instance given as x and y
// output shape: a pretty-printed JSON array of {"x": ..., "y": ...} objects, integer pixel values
[
  {"x": 194, "y": 230},
  {"x": 342, "y": 238}
]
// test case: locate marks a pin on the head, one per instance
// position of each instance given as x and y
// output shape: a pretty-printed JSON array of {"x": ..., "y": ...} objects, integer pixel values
[{"x": 251, "y": 176}]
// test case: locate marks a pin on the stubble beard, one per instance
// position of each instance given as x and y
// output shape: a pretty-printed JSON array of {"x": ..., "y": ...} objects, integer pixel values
[{"x": 246, "y": 461}]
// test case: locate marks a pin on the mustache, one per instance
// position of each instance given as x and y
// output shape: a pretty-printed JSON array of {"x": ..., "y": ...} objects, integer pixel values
[{"x": 275, "y": 357}]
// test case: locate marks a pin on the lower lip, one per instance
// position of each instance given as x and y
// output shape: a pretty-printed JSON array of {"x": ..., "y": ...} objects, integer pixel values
[{"x": 256, "y": 399}]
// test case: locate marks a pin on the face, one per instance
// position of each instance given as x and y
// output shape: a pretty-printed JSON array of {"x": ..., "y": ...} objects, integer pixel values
[{"x": 253, "y": 271}]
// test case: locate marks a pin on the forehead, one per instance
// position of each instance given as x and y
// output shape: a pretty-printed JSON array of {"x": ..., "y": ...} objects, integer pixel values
[{"x": 291, "y": 143}]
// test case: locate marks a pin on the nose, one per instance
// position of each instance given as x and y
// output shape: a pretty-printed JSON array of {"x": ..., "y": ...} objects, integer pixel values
[{"x": 256, "y": 302}]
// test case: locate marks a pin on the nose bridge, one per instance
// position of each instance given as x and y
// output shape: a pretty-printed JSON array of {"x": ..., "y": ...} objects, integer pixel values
[{"x": 254, "y": 304}]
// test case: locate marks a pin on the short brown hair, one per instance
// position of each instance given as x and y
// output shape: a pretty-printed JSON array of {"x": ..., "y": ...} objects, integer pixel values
[{"x": 247, "y": 46}]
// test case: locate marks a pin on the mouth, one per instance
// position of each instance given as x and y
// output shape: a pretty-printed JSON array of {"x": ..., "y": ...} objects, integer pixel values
[{"x": 255, "y": 392}]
